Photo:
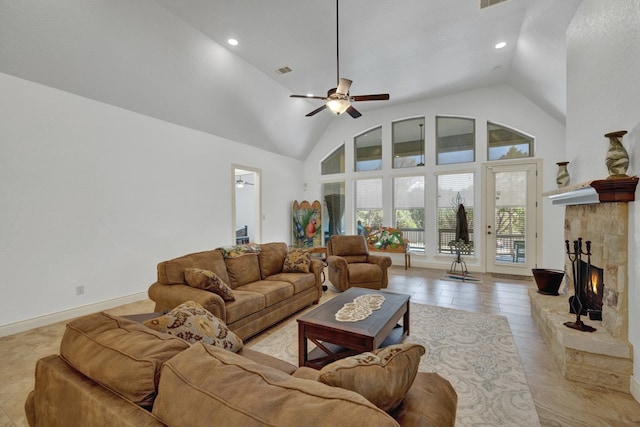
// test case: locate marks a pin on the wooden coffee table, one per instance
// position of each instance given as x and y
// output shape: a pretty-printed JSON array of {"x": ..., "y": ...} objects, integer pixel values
[{"x": 335, "y": 340}]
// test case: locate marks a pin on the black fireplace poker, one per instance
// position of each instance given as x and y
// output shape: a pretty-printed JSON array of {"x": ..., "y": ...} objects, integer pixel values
[{"x": 576, "y": 302}]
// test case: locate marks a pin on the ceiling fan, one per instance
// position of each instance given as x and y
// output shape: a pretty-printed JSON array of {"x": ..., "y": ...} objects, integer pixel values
[
  {"x": 240, "y": 183},
  {"x": 338, "y": 98}
]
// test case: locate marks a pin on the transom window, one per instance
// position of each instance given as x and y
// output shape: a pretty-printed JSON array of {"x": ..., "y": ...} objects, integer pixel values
[
  {"x": 506, "y": 143},
  {"x": 455, "y": 140},
  {"x": 368, "y": 150},
  {"x": 334, "y": 162},
  {"x": 408, "y": 143}
]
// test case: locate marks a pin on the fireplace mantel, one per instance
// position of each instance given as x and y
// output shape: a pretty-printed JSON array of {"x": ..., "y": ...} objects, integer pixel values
[{"x": 598, "y": 191}]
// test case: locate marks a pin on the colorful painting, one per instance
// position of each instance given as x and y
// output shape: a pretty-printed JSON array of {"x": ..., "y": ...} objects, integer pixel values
[{"x": 307, "y": 224}]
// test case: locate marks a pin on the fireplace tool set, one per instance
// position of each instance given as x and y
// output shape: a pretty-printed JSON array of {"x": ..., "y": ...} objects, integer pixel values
[{"x": 576, "y": 301}]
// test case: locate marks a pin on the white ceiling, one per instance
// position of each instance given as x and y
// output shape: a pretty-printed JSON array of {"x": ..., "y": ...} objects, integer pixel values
[{"x": 150, "y": 56}]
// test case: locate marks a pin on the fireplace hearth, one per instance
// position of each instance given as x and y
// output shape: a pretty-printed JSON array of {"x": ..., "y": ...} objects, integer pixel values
[{"x": 603, "y": 358}]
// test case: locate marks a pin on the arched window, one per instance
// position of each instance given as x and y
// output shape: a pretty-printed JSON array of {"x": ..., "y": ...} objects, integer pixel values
[
  {"x": 368, "y": 150},
  {"x": 506, "y": 143},
  {"x": 334, "y": 162}
]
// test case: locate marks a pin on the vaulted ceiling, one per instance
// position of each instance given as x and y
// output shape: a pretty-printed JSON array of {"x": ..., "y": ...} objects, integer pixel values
[{"x": 171, "y": 60}]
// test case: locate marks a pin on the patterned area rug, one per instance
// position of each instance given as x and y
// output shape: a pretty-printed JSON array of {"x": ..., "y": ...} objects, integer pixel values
[{"x": 476, "y": 352}]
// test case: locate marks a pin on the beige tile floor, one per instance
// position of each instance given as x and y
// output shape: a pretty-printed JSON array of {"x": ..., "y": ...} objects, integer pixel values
[{"x": 559, "y": 402}]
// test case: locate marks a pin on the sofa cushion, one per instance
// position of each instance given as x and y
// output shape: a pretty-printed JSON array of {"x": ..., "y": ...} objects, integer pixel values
[
  {"x": 273, "y": 291},
  {"x": 363, "y": 272},
  {"x": 172, "y": 272},
  {"x": 383, "y": 376},
  {"x": 243, "y": 269},
  {"x": 300, "y": 281},
  {"x": 239, "y": 392},
  {"x": 271, "y": 258},
  {"x": 246, "y": 303},
  {"x": 192, "y": 322},
  {"x": 351, "y": 248},
  {"x": 208, "y": 281},
  {"x": 122, "y": 355},
  {"x": 297, "y": 261}
]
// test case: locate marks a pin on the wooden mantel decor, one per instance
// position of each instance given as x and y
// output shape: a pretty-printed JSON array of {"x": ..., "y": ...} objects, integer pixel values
[{"x": 616, "y": 190}]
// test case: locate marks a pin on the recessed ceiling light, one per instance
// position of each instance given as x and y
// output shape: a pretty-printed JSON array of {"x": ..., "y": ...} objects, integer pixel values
[
  {"x": 501, "y": 45},
  {"x": 233, "y": 42}
]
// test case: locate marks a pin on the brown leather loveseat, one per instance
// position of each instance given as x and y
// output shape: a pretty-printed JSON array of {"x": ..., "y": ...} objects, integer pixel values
[
  {"x": 113, "y": 371},
  {"x": 264, "y": 292}
]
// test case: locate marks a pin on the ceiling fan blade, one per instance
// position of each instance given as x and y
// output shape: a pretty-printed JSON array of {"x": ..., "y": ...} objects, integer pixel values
[
  {"x": 343, "y": 86},
  {"x": 376, "y": 97},
  {"x": 353, "y": 112},
  {"x": 317, "y": 110},
  {"x": 308, "y": 97}
]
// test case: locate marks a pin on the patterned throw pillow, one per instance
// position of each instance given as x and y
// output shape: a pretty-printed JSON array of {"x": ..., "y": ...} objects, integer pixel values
[
  {"x": 208, "y": 281},
  {"x": 383, "y": 376},
  {"x": 297, "y": 261},
  {"x": 192, "y": 322}
]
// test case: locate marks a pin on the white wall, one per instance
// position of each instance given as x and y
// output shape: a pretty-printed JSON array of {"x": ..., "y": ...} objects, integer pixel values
[
  {"x": 603, "y": 65},
  {"x": 95, "y": 195},
  {"x": 501, "y": 104}
]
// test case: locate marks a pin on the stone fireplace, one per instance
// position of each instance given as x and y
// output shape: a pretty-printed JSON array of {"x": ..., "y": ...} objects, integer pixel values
[{"x": 596, "y": 211}]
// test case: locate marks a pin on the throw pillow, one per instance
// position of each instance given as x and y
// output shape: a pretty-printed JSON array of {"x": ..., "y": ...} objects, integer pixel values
[
  {"x": 383, "y": 377},
  {"x": 208, "y": 281},
  {"x": 192, "y": 322},
  {"x": 297, "y": 261}
]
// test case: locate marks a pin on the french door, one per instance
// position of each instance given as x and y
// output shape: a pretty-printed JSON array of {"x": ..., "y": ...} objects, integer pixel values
[{"x": 511, "y": 217}]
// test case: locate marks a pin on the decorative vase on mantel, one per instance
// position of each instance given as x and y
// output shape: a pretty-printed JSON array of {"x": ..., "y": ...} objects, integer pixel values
[
  {"x": 617, "y": 159},
  {"x": 562, "y": 178}
]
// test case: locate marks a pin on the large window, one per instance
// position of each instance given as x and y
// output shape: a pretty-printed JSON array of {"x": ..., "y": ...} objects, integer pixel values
[
  {"x": 408, "y": 206},
  {"x": 455, "y": 140},
  {"x": 333, "y": 218},
  {"x": 454, "y": 190},
  {"x": 369, "y": 203},
  {"x": 334, "y": 162},
  {"x": 408, "y": 143},
  {"x": 505, "y": 143},
  {"x": 368, "y": 150}
]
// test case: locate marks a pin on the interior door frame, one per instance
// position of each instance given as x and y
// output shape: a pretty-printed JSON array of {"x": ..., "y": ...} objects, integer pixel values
[
  {"x": 257, "y": 217},
  {"x": 534, "y": 231}
]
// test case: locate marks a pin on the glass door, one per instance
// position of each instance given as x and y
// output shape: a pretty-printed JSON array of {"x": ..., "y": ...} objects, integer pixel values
[{"x": 511, "y": 218}]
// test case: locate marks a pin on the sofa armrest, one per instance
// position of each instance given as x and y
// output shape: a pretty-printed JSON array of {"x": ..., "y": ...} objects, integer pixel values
[
  {"x": 431, "y": 401},
  {"x": 338, "y": 272},
  {"x": 382, "y": 260},
  {"x": 317, "y": 268},
  {"x": 168, "y": 297},
  {"x": 266, "y": 360}
]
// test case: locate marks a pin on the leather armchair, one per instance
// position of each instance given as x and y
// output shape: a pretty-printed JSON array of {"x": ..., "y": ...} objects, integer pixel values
[{"x": 350, "y": 264}]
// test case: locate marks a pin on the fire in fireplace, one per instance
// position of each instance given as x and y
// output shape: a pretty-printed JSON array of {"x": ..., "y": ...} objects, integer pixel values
[{"x": 592, "y": 290}]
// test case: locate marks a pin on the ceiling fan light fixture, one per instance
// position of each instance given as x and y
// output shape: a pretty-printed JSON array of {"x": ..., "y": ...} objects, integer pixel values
[
  {"x": 240, "y": 183},
  {"x": 338, "y": 106}
]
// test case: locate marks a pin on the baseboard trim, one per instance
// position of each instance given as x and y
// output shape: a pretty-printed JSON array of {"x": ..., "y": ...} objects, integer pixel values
[
  {"x": 36, "y": 322},
  {"x": 635, "y": 388}
]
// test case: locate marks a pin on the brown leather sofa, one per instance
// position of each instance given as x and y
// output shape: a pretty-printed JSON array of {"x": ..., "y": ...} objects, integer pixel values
[
  {"x": 117, "y": 372},
  {"x": 350, "y": 264},
  {"x": 264, "y": 294}
]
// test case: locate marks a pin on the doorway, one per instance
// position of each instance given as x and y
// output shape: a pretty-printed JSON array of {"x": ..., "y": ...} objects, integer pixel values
[
  {"x": 246, "y": 205},
  {"x": 511, "y": 217}
]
